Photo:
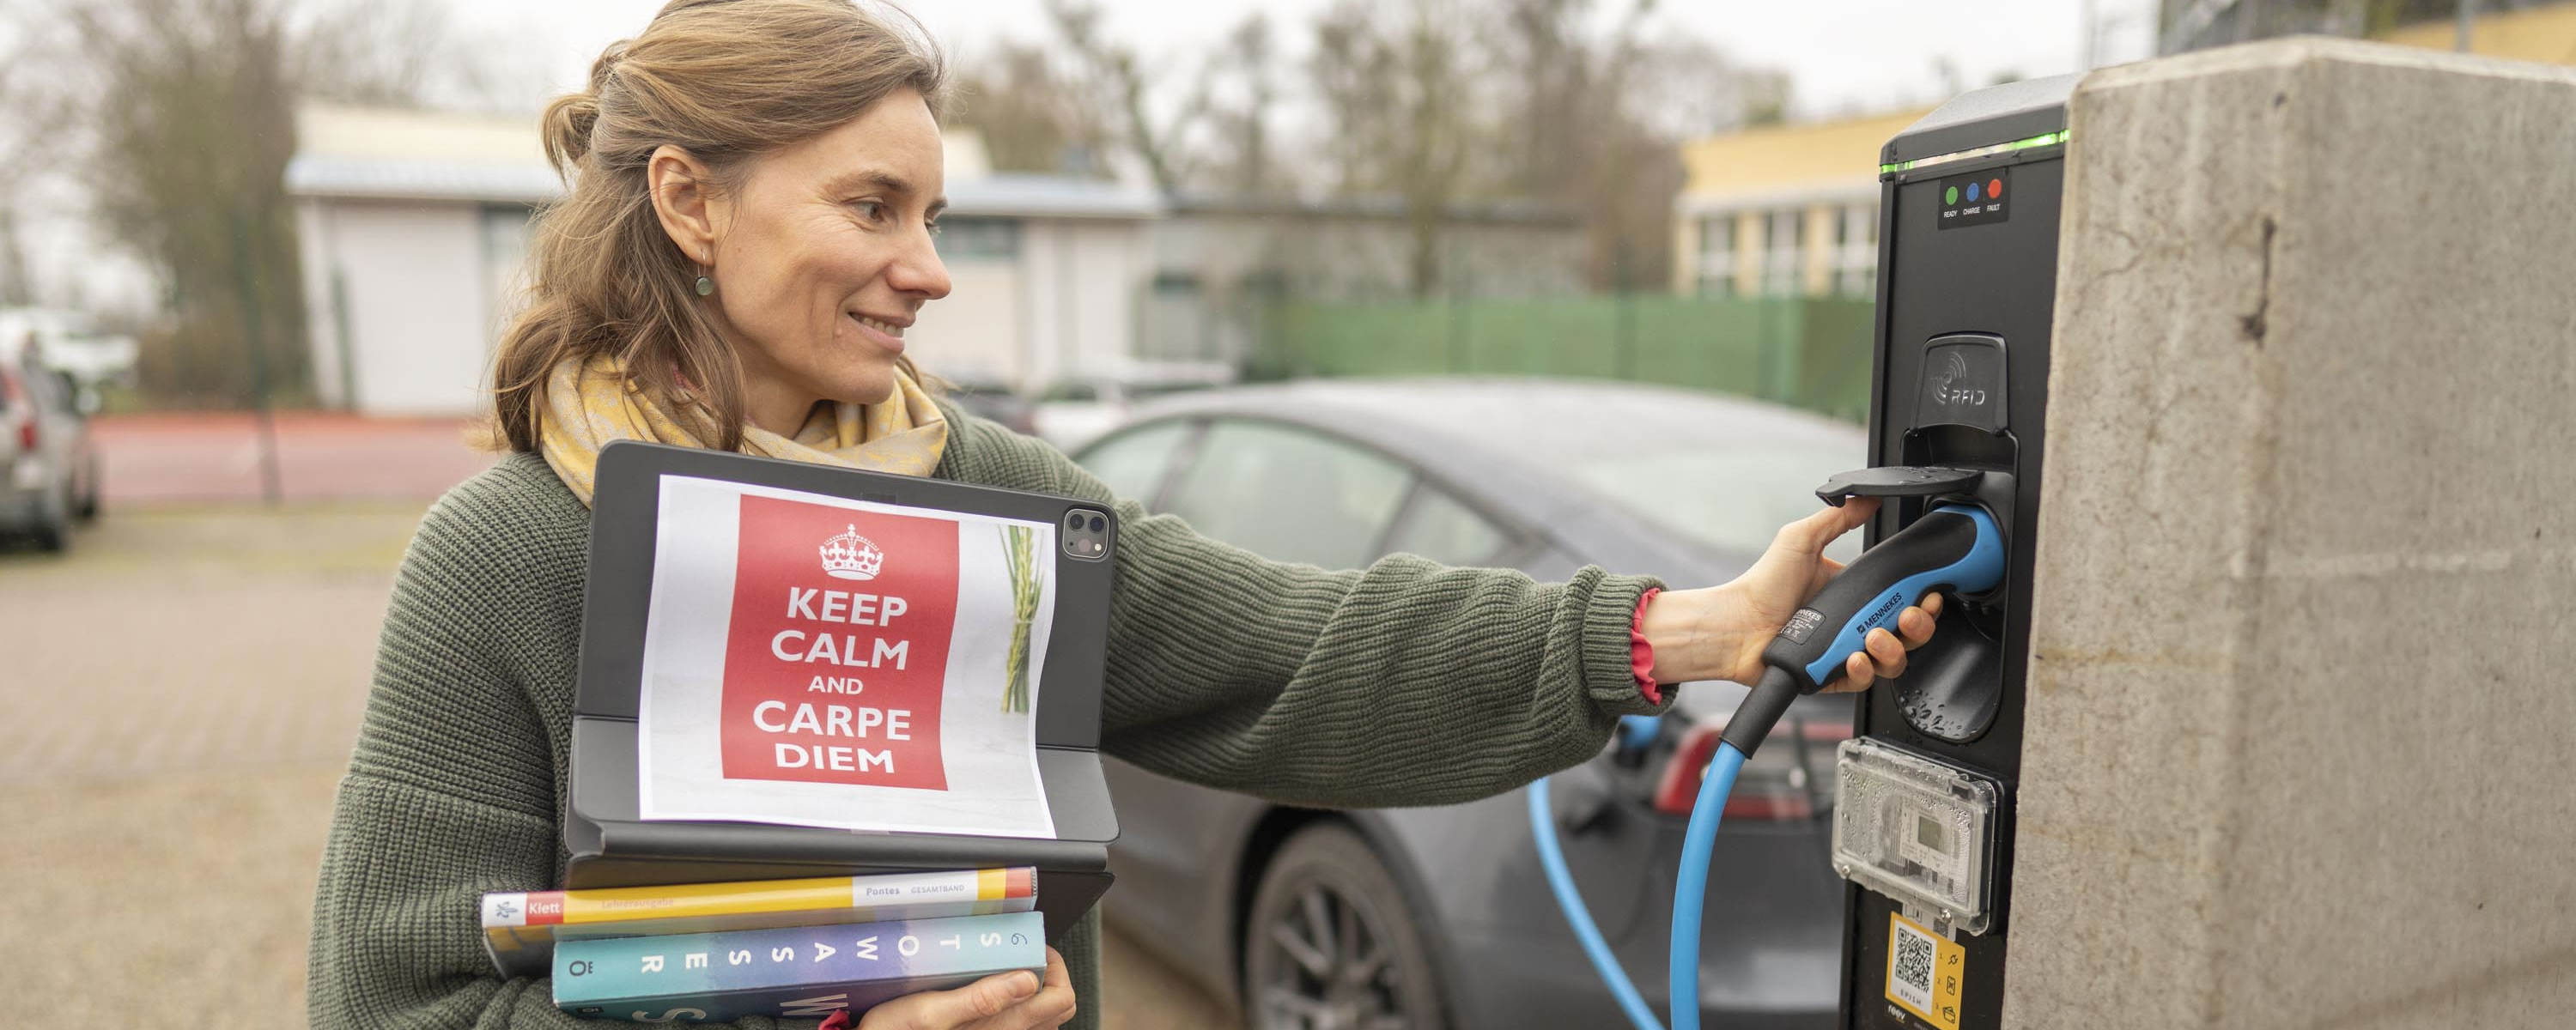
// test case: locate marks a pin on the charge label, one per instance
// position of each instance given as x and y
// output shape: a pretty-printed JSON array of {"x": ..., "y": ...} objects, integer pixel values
[{"x": 1924, "y": 972}]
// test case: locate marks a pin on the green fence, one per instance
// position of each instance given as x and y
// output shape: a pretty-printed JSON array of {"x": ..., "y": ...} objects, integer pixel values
[{"x": 1812, "y": 353}]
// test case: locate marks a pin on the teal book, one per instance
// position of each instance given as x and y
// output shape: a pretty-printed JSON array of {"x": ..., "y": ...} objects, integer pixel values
[{"x": 799, "y": 971}]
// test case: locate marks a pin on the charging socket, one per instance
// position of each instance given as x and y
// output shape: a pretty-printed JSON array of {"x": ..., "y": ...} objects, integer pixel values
[{"x": 1918, "y": 830}]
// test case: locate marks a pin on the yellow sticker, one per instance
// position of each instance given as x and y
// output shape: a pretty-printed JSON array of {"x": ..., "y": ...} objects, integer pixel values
[{"x": 1924, "y": 972}]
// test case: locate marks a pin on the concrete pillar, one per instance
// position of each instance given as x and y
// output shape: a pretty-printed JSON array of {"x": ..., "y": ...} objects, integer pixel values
[{"x": 2301, "y": 739}]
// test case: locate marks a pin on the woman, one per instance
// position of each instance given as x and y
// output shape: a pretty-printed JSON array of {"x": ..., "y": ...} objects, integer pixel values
[{"x": 754, "y": 184}]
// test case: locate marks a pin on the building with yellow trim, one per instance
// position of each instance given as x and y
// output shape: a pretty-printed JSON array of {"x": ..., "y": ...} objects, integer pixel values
[
  {"x": 1783, "y": 209},
  {"x": 1793, "y": 209}
]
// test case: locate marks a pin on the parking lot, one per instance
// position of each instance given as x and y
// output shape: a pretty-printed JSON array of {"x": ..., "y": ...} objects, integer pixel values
[{"x": 183, "y": 687}]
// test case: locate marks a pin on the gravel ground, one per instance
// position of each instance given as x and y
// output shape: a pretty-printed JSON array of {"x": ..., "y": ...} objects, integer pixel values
[{"x": 181, "y": 691}]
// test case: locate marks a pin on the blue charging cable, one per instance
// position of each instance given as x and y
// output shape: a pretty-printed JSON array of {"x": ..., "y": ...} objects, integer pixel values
[
  {"x": 1698, "y": 841},
  {"x": 1692, "y": 889}
]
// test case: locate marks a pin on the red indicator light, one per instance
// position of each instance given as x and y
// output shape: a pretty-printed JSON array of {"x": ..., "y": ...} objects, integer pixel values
[{"x": 1994, "y": 188}]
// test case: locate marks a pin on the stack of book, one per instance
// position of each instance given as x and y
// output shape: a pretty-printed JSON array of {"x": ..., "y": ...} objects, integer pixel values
[{"x": 796, "y": 948}]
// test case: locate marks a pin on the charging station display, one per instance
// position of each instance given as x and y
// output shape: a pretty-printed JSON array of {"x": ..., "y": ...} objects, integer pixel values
[{"x": 1976, "y": 198}]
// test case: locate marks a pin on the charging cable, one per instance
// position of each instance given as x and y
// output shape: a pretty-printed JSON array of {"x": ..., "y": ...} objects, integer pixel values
[{"x": 1690, "y": 891}]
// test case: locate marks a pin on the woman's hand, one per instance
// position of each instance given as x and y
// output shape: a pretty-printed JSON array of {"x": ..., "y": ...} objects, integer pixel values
[
  {"x": 1010, "y": 1001},
  {"x": 1719, "y": 632}
]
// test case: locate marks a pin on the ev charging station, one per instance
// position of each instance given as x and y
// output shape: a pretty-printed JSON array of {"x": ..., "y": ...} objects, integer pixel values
[
  {"x": 1923, "y": 827},
  {"x": 2289, "y": 762}
]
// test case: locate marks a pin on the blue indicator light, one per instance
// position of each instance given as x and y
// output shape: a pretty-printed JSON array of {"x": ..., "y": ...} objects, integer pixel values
[{"x": 1972, "y": 191}]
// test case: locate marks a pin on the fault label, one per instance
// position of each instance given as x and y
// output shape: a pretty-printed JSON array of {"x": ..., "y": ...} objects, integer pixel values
[{"x": 1924, "y": 972}]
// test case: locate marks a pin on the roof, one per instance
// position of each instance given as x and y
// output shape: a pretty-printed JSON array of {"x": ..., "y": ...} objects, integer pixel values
[
  {"x": 1789, "y": 160},
  {"x": 1379, "y": 208},
  {"x": 1486, "y": 413},
  {"x": 1049, "y": 196},
  {"x": 1478, "y": 432},
  {"x": 425, "y": 155},
  {"x": 389, "y": 154}
]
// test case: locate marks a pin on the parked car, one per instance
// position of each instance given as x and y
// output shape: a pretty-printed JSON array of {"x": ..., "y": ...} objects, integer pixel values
[
  {"x": 51, "y": 468},
  {"x": 1073, "y": 410},
  {"x": 70, "y": 341},
  {"x": 990, "y": 396},
  {"x": 1440, "y": 917}
]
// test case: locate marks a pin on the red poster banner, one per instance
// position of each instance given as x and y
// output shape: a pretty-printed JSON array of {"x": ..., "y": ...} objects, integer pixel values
[{"x": 838, "y": 646}]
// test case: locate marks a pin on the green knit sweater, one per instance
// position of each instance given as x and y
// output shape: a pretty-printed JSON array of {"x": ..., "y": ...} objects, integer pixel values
[{"x": 1283, "y": 681}]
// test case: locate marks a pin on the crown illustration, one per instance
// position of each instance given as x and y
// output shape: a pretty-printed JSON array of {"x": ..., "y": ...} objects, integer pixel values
[{"x": 851, "y": 556}]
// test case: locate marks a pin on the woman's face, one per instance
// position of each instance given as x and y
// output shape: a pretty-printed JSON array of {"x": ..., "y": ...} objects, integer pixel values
[{"x": 822, "y": 256}]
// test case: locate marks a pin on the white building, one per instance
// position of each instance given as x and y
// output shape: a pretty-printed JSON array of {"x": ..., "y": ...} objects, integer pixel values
[{"x": 413, "y": 226}]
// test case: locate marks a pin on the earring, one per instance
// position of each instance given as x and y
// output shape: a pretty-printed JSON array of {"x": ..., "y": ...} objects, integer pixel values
[{"x": 706, "y": 286}]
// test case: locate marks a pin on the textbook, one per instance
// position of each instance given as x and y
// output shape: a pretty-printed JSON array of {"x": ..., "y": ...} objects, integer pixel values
[
  {"x": 521, "y": 928},
  {"x": 802, "y": 971}
]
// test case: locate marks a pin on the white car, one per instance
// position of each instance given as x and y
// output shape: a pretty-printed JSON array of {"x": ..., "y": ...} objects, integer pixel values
[
  {"x": 48, "y": 468},
  {"x": 69, "y": 342}
]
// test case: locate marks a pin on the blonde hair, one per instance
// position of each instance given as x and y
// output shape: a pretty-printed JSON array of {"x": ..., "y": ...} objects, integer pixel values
[{"x": 724, "y": 80}]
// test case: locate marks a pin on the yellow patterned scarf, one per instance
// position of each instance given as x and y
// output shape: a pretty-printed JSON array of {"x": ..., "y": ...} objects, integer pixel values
[{"x": 588, "y": 405}]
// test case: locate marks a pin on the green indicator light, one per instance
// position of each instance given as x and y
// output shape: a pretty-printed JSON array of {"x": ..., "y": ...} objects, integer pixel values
[
  {"x": 1950, "y": 196},
  {"x": 2042, "y": 140}
]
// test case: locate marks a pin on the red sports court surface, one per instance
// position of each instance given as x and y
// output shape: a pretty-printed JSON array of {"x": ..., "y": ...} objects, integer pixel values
[{"x": 158, "y": 458}]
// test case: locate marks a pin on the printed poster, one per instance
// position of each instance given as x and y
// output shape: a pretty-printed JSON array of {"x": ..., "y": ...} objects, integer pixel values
[{"x": 818, "y": 661}]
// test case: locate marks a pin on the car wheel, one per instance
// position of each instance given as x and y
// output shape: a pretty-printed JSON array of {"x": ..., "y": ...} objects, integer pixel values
[
  {"x": 86, "y": 509},
  {"x": 54, "y": 521},
  {"x": 1332, "y": 944}
]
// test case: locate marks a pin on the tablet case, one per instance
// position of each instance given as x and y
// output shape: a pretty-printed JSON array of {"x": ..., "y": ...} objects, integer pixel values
[{"x": 610, "y": 847}]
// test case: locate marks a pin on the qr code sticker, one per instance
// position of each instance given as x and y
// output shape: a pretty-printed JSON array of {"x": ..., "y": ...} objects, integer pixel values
[{"x": 1909, "y": 966}]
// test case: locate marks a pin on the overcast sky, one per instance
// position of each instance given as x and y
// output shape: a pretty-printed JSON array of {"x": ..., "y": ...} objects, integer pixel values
[{"x": 1845, "y": 55}]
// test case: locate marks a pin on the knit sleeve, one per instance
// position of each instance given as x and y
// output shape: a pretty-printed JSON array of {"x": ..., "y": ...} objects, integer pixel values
[
  {"x": 450, "y": 793},
  {"x": 1404, "y": 683}
]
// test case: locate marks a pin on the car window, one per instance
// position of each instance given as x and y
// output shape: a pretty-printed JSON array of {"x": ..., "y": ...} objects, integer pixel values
[
  {"x": 1133, "y": 463},
  {"x": 1438, "y": 527},
  {"x": 35, "y": 387},
  {"x": 1723, "y": 473},
  {"x": 1289, "y": 494},
  {"x": 1074, "y": 392}
]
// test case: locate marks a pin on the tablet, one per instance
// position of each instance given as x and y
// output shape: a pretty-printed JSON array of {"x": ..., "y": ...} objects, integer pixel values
[{"x": 790, "y": 669}]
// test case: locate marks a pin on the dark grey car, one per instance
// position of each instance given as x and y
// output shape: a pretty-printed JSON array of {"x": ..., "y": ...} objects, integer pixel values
[{"x": 1440, "y": 917}]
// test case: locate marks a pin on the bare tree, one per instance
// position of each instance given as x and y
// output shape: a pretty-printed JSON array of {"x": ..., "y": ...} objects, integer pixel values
[
  {"x": 181, "y": 114},
  {"x": 188, "y": 112},
  {"x": 1427, "y": 102},
  {"x": 16, "y": 286},
  {"x": 1397, "y": 86},
  {"x": 1242, "y": 89},
  {"x": 1029, "y": 112},
  {"x": 1118, "y": 81}
]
